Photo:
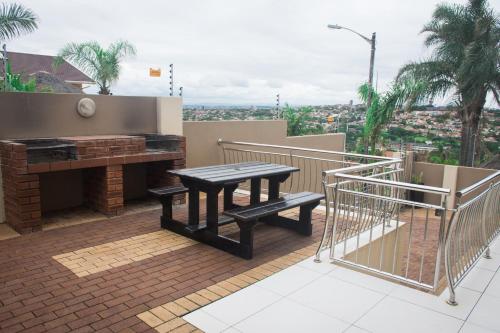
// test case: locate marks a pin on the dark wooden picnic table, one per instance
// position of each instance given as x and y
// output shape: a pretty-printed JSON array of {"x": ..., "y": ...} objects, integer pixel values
[{"x": 212, "y": 180}]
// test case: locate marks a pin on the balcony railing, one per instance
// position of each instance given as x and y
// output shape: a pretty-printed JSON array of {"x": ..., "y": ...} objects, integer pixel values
[
  {"x": 375, "y": 229},
  {"x": 474, "y": 225},
  {"x": 372, "y": 226},
  {"x": 311, "y": 162}
]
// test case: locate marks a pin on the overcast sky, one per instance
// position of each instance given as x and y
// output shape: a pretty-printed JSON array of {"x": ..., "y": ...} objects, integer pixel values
[{"x": 241, "y": 52}]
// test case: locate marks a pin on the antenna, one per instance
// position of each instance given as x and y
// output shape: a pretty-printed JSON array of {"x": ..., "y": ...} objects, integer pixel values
[
  {"x": 278, "y": 106},
  {"x": 171, "y": 79},
  {"x": 5, "y": 59}
]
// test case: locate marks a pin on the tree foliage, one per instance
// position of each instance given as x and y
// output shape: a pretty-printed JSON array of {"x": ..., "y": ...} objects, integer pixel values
[
  {"x": 14, "y": 82},
  {"x": 300, "y": 121},
  {"x": 465, "y": 63},
  {"x": 102, "y": 65},
  {"x": 16, "y": 20},
  {"x": 380, "y": 111}
]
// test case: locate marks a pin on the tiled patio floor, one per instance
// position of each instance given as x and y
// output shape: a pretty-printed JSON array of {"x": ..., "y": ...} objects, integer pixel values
[
  {"x": 311, "y": 297},
  {"x": 99, "y": 276}
]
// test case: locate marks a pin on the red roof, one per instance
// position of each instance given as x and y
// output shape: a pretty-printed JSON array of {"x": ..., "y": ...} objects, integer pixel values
[{"x": 28, "y": 64}]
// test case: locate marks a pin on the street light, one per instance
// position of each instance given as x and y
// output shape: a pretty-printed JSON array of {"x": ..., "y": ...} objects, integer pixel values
[{"x": 370, "y": 41}]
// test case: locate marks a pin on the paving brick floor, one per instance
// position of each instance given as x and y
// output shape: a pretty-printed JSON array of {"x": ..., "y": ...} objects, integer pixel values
[{"x": 39, "y": 293}]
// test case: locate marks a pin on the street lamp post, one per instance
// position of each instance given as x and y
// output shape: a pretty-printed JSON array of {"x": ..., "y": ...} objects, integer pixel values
[{"x": 370, "y": 41}]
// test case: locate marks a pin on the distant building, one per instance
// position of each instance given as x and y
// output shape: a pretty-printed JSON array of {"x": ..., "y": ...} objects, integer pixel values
[{"x": 66, "y": 78}]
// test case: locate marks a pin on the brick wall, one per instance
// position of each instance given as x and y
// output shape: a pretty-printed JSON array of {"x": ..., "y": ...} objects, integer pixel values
[
  {"x": 96, "y": 148},
  {"x": 103, "y": 189},
  {"x": 157, "y": 176},
  {"x": 102, "y": 162},
  {"x": 157, "y": 172},
  {"x": 21, "y": 190}
]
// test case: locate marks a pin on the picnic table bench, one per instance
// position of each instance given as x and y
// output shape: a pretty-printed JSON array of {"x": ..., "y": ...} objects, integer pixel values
[{"x": 212, "y": 180}]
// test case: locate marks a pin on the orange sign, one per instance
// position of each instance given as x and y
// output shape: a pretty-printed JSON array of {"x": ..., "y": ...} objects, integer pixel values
[{"x": 155, "y": 72}]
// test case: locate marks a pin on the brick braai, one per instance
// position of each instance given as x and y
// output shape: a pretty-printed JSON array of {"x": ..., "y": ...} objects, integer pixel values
[
  {"x": 101, "y": 158},
  {"x": 21, "y": 190},
  {"x": 103, "y": 189}
]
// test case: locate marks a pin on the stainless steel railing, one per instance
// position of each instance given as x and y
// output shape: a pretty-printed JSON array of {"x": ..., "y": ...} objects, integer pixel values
[
  {"x": 311, "y": 162},
  {"x": 474, "y": 225},
  {"x": 371, "y": 226}
]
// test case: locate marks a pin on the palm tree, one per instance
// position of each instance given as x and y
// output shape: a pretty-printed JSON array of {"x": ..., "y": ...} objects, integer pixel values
[
  {"x": 102, "y": 65},
  {"x": 16, "y": 20},
  {"x": 380, "y": 111},
  {"x": 465, "y": 63}
]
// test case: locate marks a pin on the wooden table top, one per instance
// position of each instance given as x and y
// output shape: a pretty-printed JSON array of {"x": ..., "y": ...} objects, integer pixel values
[{"x": 230, "y": 173}]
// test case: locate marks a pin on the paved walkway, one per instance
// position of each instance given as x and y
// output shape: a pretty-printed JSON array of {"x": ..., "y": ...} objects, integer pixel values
[
  {"x": 310, "y": 297},
  {"x": 101, "y": 276}
]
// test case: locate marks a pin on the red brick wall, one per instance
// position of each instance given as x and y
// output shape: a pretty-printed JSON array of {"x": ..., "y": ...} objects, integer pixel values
[
  {"x": 103, "y": 189},
  {"x": 103, "y": 185},
  {"x": 21, "y": 191},
  {"x": 157, "y": 175},
  {"x": 87, "y": 149}
]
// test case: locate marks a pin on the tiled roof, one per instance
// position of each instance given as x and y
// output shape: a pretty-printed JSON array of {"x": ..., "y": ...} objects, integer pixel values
[{"x": 28, "y": 64}]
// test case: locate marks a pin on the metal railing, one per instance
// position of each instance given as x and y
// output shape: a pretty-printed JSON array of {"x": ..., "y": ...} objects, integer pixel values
[
  {"x": 474, "y": 225},
  {"x": 311, "y": 162},
  {"x": 371, "y": 226}
]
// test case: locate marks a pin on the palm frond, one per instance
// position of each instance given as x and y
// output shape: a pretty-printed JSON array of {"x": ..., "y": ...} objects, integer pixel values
[
  {"x": 103, "y": 65},
  {"x": 16, "y": 20}
]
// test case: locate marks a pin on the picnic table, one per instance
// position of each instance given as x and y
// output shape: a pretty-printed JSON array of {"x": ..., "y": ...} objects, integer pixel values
[{"x": 212, "y": 180}]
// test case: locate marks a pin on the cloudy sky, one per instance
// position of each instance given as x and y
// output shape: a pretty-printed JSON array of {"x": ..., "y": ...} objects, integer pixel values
[{"x": 241, "y": 52}]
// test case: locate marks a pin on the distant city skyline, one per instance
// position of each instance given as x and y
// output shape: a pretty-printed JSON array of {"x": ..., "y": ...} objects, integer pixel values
[{"x": 241, "y": 52}]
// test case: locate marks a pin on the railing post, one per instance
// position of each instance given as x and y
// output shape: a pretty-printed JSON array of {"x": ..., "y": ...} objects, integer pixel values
[
  {"x": 334, "y": 219},
  {"x": 447, "y": 256},
  {"x": 290, "y": 152},
  {"x": 220, "y": 143},
  {"x": 441, "y": 242},
  {"x": 487, "y": 254},
  {"x": 324, "y": 240}
]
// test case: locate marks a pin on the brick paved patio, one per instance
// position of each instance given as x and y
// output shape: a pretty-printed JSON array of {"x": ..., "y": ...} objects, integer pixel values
[{"x": 100, "y": 276}]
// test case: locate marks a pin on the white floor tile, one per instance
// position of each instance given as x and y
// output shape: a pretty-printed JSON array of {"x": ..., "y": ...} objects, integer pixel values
[
  {"x": 471, "y": 328},
  {"x": 495, "y": 246},
  {"x": 337, "y": 298},
  {"x": 393, "y": 315},
  {"x": 492, "y": 264},
  {"x": 322, "y": 267},
  {"x": 231, "y": 330},
  {"x": 486, "y": 313},
  {"x": 288, "y": 280},
  {"x": 494, "y": 286},
  {"x": 363, "y": 280},
  {"x": 205, "y": 322},
  {"x": 477, "y": 279},
  {"x": 287, "y": 316},
  {"x": 242, "y": 304},
  {"x": 355, "y": 329},
  {"x": 466, "y": 299}
]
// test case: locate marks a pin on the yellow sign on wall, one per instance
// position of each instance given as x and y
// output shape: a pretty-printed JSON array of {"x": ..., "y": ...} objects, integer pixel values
[{"x": 155, "y": 72}]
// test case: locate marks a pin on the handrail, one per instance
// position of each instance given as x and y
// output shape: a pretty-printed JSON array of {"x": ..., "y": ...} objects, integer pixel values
[
  {"x": 474, "y": 186},
  {"x": 362, "y": 167},
  {"x": 401, "y": 201},
  {"x": 408, "y": 186},
  {"x": 222, "y": 141}
]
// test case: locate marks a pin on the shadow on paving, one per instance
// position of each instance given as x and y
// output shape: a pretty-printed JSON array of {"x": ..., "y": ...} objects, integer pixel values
[{"x": 37, "y": 293}]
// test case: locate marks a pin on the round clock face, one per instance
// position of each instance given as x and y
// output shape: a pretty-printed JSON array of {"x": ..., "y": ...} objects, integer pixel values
[{"x": 86, "y": 107}]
